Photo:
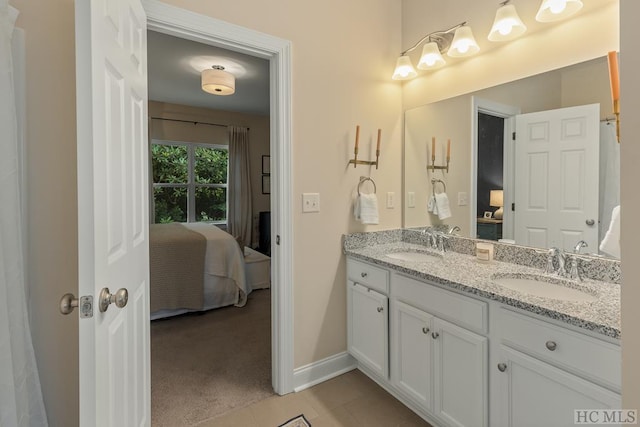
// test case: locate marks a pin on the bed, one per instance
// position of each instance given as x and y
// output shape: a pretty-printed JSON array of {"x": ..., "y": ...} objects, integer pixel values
[{"x": 198, "y": 266}]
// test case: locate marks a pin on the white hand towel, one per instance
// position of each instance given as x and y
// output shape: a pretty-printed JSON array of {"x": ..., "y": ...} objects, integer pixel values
[
  {"x": 442, "y": 205},
  {"x": 431, "y": 205},
  {"x": 611, "y": 242},
  {"x": 367, "y": 209}
]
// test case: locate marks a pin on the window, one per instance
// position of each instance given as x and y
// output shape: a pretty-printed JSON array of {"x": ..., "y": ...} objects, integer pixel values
[{"x": 189, "y": 182}]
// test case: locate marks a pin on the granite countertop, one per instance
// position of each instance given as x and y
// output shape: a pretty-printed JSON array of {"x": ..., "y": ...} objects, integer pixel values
[{"x": 466, "y": 274}]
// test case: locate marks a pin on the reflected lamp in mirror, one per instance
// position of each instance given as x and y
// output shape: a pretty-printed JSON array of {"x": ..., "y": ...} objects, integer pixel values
[
  {"x": 496, "y": 200},
  {"x": 507, "y": 25},
  {"x": 555, "y": 10}
]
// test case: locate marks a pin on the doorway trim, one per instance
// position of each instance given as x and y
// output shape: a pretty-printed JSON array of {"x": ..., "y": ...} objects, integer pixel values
[
  {"x": 507, "y": 112},
  {"x": 188, "y": 25}
]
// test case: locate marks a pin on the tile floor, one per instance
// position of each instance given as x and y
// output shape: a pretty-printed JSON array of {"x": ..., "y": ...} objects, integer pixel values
[{"x": 350, "y": 400}]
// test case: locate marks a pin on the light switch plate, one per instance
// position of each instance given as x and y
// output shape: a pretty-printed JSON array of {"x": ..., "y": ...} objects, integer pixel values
[
  {"x": 463, "y": 199},
  {"x": 391, "y": 200},
  {"x": 310, "y": 202},
  {"x": 411, "y": 199}
]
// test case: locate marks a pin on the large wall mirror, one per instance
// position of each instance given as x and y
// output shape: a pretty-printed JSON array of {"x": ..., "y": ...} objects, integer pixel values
[{"x": 545, "y": 194}]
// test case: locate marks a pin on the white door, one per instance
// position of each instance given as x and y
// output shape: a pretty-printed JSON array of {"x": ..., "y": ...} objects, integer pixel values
[
  {"x": 367, "y": 327},
  {"x": 411, "y": 354},
  {"x": 460, "y": 375},
  {"x": 556, "y": 177},
  {"x": 534, "y": 393},
  {"x": 111, "y": 74}
]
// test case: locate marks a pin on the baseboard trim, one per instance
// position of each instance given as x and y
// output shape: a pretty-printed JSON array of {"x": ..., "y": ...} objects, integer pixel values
[{"x": 322, "y": 370}]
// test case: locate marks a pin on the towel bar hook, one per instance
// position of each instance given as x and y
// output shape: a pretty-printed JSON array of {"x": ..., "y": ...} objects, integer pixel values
[
  {"x": 433, "y": 184},
  {"x": 364, "y": 179}
]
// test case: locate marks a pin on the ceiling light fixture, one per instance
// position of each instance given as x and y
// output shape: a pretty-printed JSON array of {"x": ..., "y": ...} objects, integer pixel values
[
  {"x": 507, "y": 25},
  {"x": 438, "y": 42},
  {"x": 555, "y": 10},
  {"x": 217, "y": 81}
]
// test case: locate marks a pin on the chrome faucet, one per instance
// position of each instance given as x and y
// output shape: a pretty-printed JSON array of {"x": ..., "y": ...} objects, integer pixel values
[
  {"x": 453, "y": 229},
  {"x": 581, "y": 244},
  {"x": 574, "y": 270},
  {"x": 553, "y": 254}
]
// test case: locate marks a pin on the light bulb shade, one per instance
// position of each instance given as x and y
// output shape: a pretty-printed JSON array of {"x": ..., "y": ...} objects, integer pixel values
[
  {"x": 463, "y": 43},
  {"x": 431, "y": 57},
  {"x": 404, "y": 69},
  {"x": 555, "y": 10},
  {"x": 496, "y": 198},
  {"x": 507, "y": 25},
  {"x": 218, "y": 82}
]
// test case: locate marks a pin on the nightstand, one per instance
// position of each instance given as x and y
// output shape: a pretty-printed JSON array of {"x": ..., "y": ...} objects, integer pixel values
[{"x": 489, "y": 228}]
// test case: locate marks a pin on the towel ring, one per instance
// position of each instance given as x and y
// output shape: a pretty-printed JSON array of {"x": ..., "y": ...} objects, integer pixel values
[
  {"x": 362, "y": 180},
  {"x": 433, "y": 183}
]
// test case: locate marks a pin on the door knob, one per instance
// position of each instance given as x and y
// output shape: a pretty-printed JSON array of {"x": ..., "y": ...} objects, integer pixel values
[
  {"x": 590, "y": 222},
  {"x": 120, "y": 298},
  {"x": 435, "y": 335},
  {"x": 502, "y": 367},
  {"x": 67, "y": 303}
]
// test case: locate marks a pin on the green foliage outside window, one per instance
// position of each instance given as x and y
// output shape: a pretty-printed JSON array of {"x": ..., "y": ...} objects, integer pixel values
[{"x": 170, "y": 164}]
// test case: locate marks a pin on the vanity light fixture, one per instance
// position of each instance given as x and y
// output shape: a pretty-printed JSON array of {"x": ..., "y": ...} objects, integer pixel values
[
  {"x": 463, "y": 43},
  {"x": 217, "y": 81},
  {"x": 507, "y": 25},
  {"x": 438, "y": 42},
  {"x": 555, "y": 10}
]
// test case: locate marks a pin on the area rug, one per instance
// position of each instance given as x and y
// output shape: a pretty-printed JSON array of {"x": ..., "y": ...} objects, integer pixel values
[{"x": 299, "y": 421}]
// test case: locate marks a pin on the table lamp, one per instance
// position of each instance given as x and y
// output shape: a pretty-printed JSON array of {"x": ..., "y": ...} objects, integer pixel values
[{"x": 496, "y": 200}]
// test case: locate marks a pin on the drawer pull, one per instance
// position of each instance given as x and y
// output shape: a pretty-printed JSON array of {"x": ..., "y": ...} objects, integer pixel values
[
  {"x": 363, "y": 274},
  {"x": 380, "y": 309},
  {"x": 551, "y": 345},
  {"x": 425, "y": 330},
  {"x": 502, "y": 367},
  {"x": 435, "y": 335}
]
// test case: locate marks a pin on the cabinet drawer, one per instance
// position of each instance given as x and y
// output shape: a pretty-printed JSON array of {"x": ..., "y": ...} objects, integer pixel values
[
  {"x": 585, "y": 355},
  {"x": 463, "y": 311},
  {"x": 366, "y": 274}
]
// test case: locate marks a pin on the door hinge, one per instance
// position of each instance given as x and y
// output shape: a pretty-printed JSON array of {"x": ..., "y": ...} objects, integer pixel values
[
  {"x": 86, "y": 307},
  {"x": 513, "y": 136},
  {"x": 277, "y": 239},
  {"x": 513, "y": 207}
]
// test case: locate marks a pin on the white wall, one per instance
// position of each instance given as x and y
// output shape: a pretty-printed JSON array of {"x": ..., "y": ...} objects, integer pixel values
[{"x": 630, "y": 200}]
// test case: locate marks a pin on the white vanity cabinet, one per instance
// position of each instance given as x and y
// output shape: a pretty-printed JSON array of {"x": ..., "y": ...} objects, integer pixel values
[
  {"x": 439, "y": 365},
  {"x": 544, "y": 372},
  {"x": 367, "y": 316}
]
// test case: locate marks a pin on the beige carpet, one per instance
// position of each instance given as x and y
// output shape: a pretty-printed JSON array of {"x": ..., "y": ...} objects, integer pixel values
[{"x": 203, "y": 365}]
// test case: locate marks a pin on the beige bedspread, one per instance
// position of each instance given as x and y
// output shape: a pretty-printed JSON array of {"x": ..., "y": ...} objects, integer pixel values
[{"x": 176, "y": 258}]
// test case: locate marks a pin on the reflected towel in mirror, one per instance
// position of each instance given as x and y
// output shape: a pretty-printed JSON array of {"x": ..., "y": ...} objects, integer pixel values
[
  {"x": 611, "y": 242},
  {"x": 442, "y": 206}
]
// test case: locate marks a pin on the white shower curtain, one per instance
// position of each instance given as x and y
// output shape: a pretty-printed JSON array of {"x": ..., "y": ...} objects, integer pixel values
[
  {"x": 609, "y": 175},
  {"x": 20, "y": 394},
  {"x": 239, "y": 218}
]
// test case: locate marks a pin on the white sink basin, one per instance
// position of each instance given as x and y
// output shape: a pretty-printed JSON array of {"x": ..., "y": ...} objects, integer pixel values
[
  {"x": 540, "y": 287},
  {"x": 413, "y": 256}
]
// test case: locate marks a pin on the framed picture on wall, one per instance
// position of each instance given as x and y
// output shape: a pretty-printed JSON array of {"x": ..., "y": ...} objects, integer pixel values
[
  {"x": 266, "y": 184},
  {"x": 266, "y": 165}
]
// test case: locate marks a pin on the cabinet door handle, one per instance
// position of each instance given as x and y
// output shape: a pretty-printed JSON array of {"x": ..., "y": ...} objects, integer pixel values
[
  {"x": 425, "y": 330},
  {"x": 363, "y": 274},
  {"x": 502, "y": 367},
  {"x": 551, "y": 345},
  {"x": 380, "y": 309},
  {"x": 435, "y": 335}
]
